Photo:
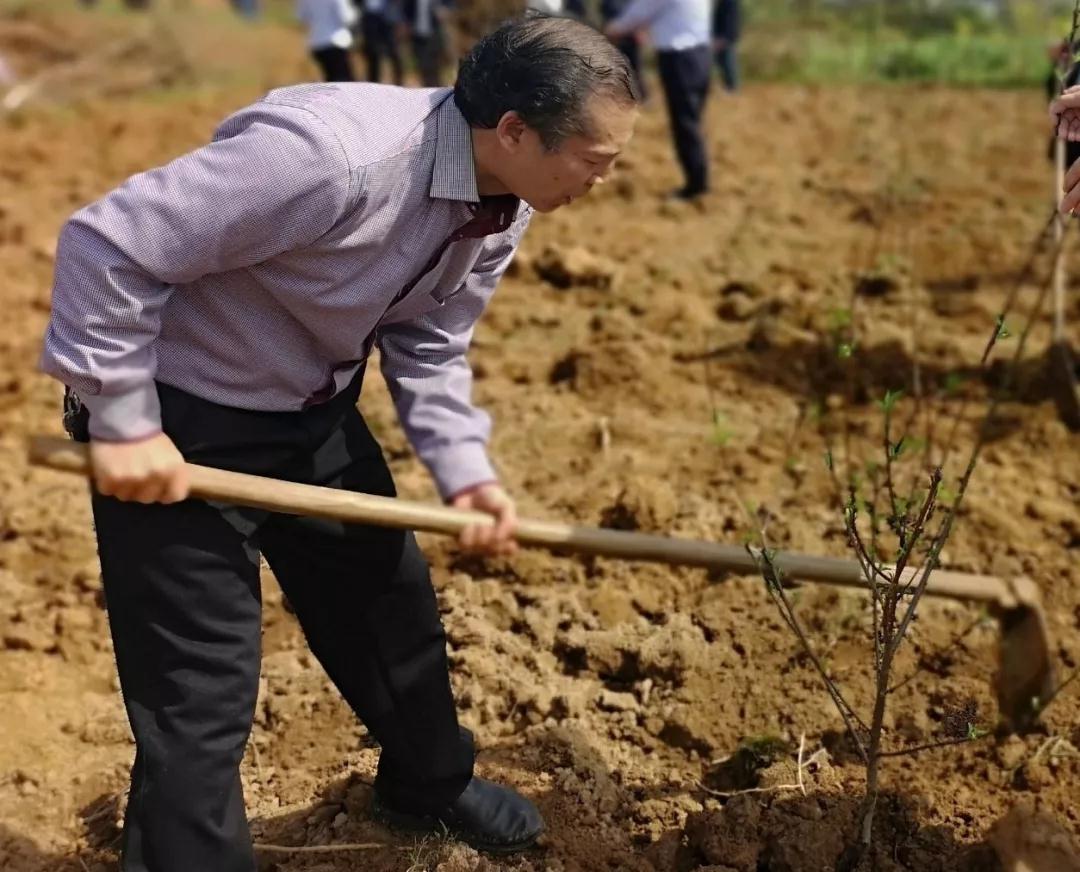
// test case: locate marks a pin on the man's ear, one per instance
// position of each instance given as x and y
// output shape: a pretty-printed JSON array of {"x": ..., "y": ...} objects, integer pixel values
[{"x": 510, "y": 131}]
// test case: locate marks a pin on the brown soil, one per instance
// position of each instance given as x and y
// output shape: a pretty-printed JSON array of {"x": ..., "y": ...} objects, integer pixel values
[{"x": 618, "y": 696}]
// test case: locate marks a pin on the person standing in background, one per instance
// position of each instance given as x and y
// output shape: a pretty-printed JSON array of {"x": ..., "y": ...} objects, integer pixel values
[
  {"x": 330, "y": 37},
  {"x": 426, "y": 23},
  {"x": 546, "y": 7},
  {"x": 629, "y": 45},
  {"x": 378, "y": 26},
  {"x": 246, "y": 8},
  {"x": 680, "y": 31},
  {"x": 576, "y": 9},
  {"x": 727, "y": 27}
]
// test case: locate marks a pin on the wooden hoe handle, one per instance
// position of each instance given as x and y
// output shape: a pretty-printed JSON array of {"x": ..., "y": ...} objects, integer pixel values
[{"x": 320, "y": 502}]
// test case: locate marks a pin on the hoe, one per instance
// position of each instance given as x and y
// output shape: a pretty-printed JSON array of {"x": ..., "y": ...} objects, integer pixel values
[{"x": 1025, "y": 673}]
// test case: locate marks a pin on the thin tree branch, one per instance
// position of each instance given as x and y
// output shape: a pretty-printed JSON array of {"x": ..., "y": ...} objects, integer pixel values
[{"x": 929, "y": 746}]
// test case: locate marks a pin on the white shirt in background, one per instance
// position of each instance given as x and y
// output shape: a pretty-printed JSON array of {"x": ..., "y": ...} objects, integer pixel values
[
  {"x": 328, "y": 22},
  {"x": 674, "y": 25},
  {"x": 548, "y": 7},
  {"x": 424, "y": 24}
]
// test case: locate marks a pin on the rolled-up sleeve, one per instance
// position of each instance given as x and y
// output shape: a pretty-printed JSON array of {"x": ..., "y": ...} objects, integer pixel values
[
  {"x": 430, "y": 380},
  {"x": 274, "y": 178}
]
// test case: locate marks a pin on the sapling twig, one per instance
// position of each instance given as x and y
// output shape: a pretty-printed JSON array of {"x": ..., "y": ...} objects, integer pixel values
[{"x": 896, "y": 591}]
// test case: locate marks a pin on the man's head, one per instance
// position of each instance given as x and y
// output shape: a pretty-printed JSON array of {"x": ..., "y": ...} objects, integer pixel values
[{"x": 551, "y": 102}]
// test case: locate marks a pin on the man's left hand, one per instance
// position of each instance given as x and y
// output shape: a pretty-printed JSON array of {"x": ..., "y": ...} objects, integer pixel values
[
  {"x": 494, "y": 539},
  {"x": 1065, "y": 114}
]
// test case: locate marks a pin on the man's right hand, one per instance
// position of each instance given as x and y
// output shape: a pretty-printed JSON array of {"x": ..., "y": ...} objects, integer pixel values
[{"x": 151, "y": 470}]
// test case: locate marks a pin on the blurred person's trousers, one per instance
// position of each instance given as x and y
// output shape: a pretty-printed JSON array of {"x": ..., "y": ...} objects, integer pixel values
[
  {"x": 380, "y": 39},
  {"x": 727, "y": 59},
  {"x": 685, "y": 75},
  {"x": 335, "y": 63},
  {"x": 247, "y": 8},
  {"x": 631, "y": 49},
  {"x": 183, "y": 596},
  {"x": 429, "y": 52}
]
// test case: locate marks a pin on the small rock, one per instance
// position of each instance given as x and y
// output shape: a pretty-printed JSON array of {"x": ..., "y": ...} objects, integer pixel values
[
  {"x": 737, "y": 307},
  {"x": 323, "y": 814},
  {"x": 1011, "y": 752},
  {"x": 612, "y": 701},
  {"x": 1028, "y": 840},
  {"x": 806, "y": 807},
  {"x": 575, "y": 267}
]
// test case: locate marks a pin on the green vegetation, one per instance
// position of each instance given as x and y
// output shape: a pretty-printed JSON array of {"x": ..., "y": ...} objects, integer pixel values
[{"x": 996, "y": 43}]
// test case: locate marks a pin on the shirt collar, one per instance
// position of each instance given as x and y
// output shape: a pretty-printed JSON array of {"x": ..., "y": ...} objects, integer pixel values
[{"x": 454, "y": 176}]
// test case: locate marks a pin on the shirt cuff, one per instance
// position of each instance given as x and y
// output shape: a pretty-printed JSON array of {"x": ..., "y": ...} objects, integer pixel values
[
  {"x": 124, "y": 417},
  {"x": 457, "y": 468}
]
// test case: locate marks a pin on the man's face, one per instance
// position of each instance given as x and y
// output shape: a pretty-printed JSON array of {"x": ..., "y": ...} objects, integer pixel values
[{"x": 547, "y": 179}]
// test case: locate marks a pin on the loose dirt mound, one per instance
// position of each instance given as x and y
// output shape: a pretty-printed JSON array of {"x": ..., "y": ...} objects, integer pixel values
[{"x": 615, "y": 695}]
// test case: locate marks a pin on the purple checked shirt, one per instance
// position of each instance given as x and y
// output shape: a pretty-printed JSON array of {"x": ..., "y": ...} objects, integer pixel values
[{"x": 258, "y": 271}]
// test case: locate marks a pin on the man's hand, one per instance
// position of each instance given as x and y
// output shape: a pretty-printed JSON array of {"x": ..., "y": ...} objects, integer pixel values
[
  {"x": 1071, "y": 189},
  {"x": 148, "y": 471},
  {"x": 1065, "y": 114},
  {"x": 495, "y": 539}
]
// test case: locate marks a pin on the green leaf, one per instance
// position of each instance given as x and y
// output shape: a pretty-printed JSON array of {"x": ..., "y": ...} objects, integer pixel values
[
  {"x": 888, "y": 402},
  {"x": 974, "y": 732},
  {"x": 845, "y": 349},
  {"x": 721, "y": 437},
  {"x": 953, "y": 382},
  {"x": 896, "y": 449},
  {"x": 722, "y": 432},
  {"x": 828, "y": 460},
  {"x": 839, "y": 319},
  {"x": 1002, "y": 328}
]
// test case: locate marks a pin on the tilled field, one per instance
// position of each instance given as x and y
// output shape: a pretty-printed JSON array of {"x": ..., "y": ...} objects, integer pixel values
[{"x": 649, "y": 367}]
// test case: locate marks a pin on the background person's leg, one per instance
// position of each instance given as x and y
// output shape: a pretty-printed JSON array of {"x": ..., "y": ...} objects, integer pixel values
[
  {"x": 728, "y": 61},
  {"x": 340, "y": 66},
  {"x": 631, "y": 49},
  {"x": 364, "y": 598},
  {"x": 392, "y": 49},
  {"x": 321, "y": 56},
  {"x": 428, "y": 53},
  {"x": 685, "y": 77},
  {"x": 369, "y": 26}
]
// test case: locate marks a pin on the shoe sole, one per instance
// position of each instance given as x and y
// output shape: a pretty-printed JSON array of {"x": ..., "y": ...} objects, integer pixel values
[{"x": 424, "y": 824}]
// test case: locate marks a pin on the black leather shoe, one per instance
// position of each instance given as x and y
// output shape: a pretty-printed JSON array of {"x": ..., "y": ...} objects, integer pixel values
[
  {"x": 487, "y": 816},
  {"x": 688, "y": 195}
]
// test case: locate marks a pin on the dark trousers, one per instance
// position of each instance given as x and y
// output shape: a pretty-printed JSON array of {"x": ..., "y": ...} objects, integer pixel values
[
  {"x": 335, "y": 64},
  {"x": 379, "y": 40},
  {"x": 428, "y": 51},
  {"x": 727, "y": 60},
  {"x": 631, "y": 50},
  {"x": 182, "y": 590},
  {"x": 685, "y": 76}
]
